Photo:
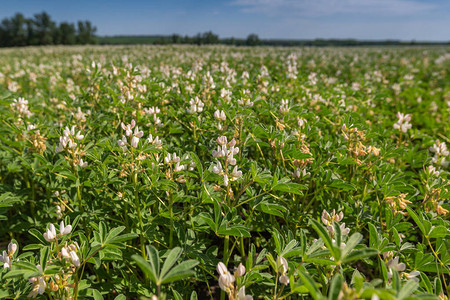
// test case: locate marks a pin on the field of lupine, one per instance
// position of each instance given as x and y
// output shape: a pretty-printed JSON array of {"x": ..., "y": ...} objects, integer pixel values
[{"x": 224, "y": 173}]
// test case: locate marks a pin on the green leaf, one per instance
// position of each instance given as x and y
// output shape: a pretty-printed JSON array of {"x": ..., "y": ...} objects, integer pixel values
[
  {"x": 342, "y": 185},
  {"x": 171, "y": 259},
  {"x": 235, "y": 230},
  {"x": 45, "y": 252},
  {"x": 198, "y": 164},
  {"x": 335, "y": 287},
  {"x": 359, "y": 254},
  {"x": 289, "y": 187},
  {"x": 180, "y": 271},
  {"x": 407, "y": 289},
  {"x": 310, "y": 284},
  {"x": 97, "y": 295},
  {"x": 194, "y": 295},
  {"x": 438, "y": 232},
  {"x": 352, "y": 242},
  {"x": 323, "y": 233},
  {"x": 145, "y": 267},
  {"x": 417, "y": 220}
]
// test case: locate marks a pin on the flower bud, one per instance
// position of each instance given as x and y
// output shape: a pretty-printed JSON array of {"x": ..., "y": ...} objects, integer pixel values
[{"x": 240, "y": 271}]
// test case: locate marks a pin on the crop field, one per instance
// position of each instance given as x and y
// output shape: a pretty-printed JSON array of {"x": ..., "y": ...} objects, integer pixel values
[{"x": 184, "y": 172}]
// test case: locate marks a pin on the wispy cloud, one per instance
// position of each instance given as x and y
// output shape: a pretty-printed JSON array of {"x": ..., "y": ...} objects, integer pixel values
[{"x": 320, "y": 8}]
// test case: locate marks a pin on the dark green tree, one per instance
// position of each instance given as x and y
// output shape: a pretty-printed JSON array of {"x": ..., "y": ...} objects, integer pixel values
[
  {"x": 86, "y": 33},
  {"x": 67, "y": 33},
  {"x": 252, "y": 40},
  {"x": 45, "y": 29}
]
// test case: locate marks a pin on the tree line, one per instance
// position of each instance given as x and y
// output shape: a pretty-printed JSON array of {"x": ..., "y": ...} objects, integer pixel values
[
  {"x": 209, "y": 37},
  {"x": 42, "y": 30}
]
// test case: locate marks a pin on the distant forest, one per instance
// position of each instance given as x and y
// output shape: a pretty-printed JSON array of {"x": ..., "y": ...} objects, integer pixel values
[
  {"x": 42, "y": 30},
  {"x": 209, "y": 37}
]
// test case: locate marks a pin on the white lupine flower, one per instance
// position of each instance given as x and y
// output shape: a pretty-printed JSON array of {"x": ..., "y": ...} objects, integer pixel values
[
  {"x": 220, "y": 115},
  {"x": 134, "y": 142},
  {"x": 79, "y": 136},
  {"x": 242, "y": 296},
  {"x": 39, "y": 285},
  {"x": 240, "y": 271},
  {"x": 225, "y": 278},
  {"x": 282, "y": 265},
  {"x": 155, "y": 141},
  {"x": 196, "y": 105},
  {"x": 328, "y": 219},
  {"x": 74, "y": 258},
  {"x": 63, "y": 230},
  {"x": 236, "y": 173},
  {"x": 128, "y": 128},
  {"x": 231, "y": 160},
  {"x": 12, "y": 248},
  {"x": 394, "y": 264},
  {"x": 217, "y": 169},
  {"x": 403, "y": 122},
  {"x": 301, "y": 122},
  {"x": 5, "y": 258},
  {"x": 172, "y": 158},
  {"x": 284, "y": 279},
  {"x": 123, "y": 143},
  {"x": 82, "y": 163},
  {"x": 65, "y": 253},
  {"x": 432, "y": 171},
  {"x": 225, "y": 180},
  {"x": 179, "y": 167},
  {"x": 245, "y": 102},
  {"x": 412, "y": 276},
  {"x": 284, "y": 108},
  {"x": 50, "y": 234},
  {"x": 222, "y": 140},
  {"x": 59, "y": 212},
  {"x": 344, "y": 230},
  {"x": 79, "y": 115},
  {"x": 21, "y": 106},
  {"x": 219, "y": 152}
]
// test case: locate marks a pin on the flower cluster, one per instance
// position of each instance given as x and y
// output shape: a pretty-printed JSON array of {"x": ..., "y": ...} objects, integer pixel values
[
  {"x": 220, "y": 116},
  {"x": 129, "y": 132},
  {"x": 226, "y": 151},
  {"x": 440, "y": 154},
  {"x": 226, "y": 282},
  {"x": 50, "y": 235},
  {"x": 7, "y": 257},
  {"x": 328, "y": 220},
  {"x": 284, "y": 107},
  {"x": 403, "y": 122},
  {"x": 153, "y": 111},
  {"x": 196, "y": 105},
  {"x": 20, "y": 106},
  {"x": 69, "y": 252},
  {"x": 67, "y": 143},
  {"x": 35, "y": 138},
  {"x": 283, "y": 268}
]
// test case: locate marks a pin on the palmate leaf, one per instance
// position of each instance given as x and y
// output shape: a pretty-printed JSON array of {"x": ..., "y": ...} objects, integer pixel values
[
  {"x": 181, "y": 271},
  {"x": 310, "y": 284},
  {"x": 145, "y": 267},
  {"x": 171, "y": 259}
]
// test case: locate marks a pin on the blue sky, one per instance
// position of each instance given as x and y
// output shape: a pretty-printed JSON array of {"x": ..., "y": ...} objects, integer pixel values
[{"x": 422, "y": 20}]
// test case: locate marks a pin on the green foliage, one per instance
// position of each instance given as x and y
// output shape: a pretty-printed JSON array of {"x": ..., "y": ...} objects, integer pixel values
[{"x": 214, "y": 172}]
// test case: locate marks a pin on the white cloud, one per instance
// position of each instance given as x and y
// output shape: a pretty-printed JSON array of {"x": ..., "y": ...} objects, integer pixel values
[{"x": 321, "y": 8}]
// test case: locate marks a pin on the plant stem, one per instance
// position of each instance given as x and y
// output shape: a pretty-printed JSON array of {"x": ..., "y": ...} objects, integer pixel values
[
  {"x": 171, "y": 219},
  {"x": 138, "y": 208}
]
